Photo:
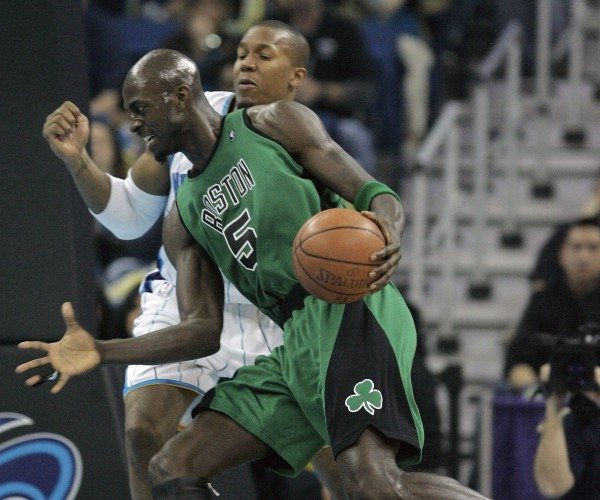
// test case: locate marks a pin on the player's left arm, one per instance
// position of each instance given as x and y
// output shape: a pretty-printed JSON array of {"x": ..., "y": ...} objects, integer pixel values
[
  {"x": 200, "y": 300},
  {"x": 200, "y": 296},
  {"x": 302, "y": 133}
]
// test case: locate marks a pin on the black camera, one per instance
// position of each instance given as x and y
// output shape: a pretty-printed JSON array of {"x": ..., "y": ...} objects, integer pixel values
[{"x": 573, "y": 361}]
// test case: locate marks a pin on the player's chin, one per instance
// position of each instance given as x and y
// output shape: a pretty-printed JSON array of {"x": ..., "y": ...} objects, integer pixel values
[
  {"x": 159, "y": 154},
  {"x": 246, "y": 102},
  {"x": 249, "y": 97}
]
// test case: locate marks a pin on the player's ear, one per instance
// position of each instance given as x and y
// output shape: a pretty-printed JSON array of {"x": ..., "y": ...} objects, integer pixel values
[
  {"x": 297, "y": 77},
  {"x": 183, "y": 95}
]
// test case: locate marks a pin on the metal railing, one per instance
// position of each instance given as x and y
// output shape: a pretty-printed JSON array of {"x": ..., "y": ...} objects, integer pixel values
[
  {"x": 507, "y": 52},
  {"x": 574, "y": 119},
  {"x": 543, "y": 53},
  {"x": 444, "y": 135},
  {"x": 481, "y": 138},
  {"x": 584, "y": 18}
]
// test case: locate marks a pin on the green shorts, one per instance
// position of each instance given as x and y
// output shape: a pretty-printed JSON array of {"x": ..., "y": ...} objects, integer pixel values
[{"x": 342, "y": 368}]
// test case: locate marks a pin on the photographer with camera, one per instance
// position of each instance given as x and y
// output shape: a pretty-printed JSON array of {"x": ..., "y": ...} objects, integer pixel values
[
  {"x": 567, "y": 459},
  {"x": 559, "y": 309}
]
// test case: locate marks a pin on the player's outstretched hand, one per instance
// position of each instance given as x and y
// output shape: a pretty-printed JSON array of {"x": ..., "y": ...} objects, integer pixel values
[
  {"x": 74, "y": 354},
  {"x": 389, "y": 256}
]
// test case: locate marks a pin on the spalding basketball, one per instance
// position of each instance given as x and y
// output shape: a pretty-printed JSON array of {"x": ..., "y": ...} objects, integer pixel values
[{"x": 331, "y": 254}]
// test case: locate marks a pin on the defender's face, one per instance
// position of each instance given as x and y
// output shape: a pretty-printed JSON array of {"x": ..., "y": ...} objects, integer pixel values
[
  {"x": 150, "y": 116},
  {"x": 580, "y": 254},
  {"x": 263, "y": 71}
]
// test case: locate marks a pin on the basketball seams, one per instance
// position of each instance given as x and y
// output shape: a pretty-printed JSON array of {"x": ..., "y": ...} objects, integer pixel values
[
  {"x": 304, "y": 243},
  {"x": 331, "y": 259},
  {"x": 320, "y": 256},
  {"x": 319, "y": 285},
  {"x": 360, "y": 228}
]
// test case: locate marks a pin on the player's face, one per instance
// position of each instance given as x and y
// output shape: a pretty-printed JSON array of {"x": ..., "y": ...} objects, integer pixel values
[
  {"x": 263, "y": 71},
  {"x": 151, "y": 115},
  {"x": 580, "y": 254}
]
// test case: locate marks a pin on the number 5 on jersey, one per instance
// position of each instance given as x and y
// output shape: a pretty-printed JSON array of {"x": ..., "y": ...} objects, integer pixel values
[{"x": 241, "y": 240}]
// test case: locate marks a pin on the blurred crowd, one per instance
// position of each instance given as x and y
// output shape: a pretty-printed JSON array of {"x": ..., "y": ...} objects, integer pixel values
[{"x": 379, "y": 70}]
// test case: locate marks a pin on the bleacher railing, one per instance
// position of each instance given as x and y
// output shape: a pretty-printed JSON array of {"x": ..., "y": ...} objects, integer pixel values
[
  {"x": 505, "y": 52},
  {"x": 543, "y": 53},
  {"x": 584, "y": 19},
  {"x": 574, "y": 117},
  {"x": 444, "y": 135}
]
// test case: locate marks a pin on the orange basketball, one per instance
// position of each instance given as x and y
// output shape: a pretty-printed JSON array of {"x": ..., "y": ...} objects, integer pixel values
[{"x": 331, "y": 254}]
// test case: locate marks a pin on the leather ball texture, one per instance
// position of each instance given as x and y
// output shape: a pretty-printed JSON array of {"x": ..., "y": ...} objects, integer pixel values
[{"x": 331, "y": 254}]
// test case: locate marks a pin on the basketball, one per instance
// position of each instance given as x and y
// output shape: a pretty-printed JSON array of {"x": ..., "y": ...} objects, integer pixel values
[{"x": 331, "y": 254}]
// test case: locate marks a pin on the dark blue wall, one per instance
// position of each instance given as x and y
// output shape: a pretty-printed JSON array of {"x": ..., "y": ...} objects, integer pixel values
[
  {"x": 46, "y": 252},
  {"x": 46, "y": 257}
]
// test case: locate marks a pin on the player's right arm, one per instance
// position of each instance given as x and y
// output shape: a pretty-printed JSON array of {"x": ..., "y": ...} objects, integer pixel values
[
  {"x": 302, "y": 133},
  {"x": 200, "y": 296},
  {"x": 127, "y": 207}
]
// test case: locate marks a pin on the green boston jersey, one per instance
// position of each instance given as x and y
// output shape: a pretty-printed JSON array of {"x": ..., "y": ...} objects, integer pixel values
[{"x": 245, "y": 209}]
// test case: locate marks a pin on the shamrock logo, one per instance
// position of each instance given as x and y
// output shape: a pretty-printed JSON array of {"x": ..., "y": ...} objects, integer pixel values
[{"x": 365, "y": 396}]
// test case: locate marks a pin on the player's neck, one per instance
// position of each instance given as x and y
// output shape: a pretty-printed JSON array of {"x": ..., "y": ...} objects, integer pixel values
[{"x": 204, "y": 135}]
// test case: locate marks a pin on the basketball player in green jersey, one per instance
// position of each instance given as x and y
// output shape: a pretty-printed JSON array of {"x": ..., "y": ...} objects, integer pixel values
[{"x": 343, "y": 374}]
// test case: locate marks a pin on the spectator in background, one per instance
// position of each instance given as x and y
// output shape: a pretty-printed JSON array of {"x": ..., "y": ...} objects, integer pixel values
[
  {"x": 249, "y": 12},
  {"x": 547, "y": 269},
  {"x": 119, "y": 283},
  {"x": 567, "y": 303},
  {"x": 460, "y": 32},
  {"x": 395, "y": 42},
  {"x": 338, "y": 86},
  {"x": 108, "y": 62},
  {"x": 203, "y": 38},
  {"x": 105, "y": 148}
]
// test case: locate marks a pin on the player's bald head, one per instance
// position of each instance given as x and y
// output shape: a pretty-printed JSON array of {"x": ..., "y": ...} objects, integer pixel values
[{"x": 163, "y": 70}]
